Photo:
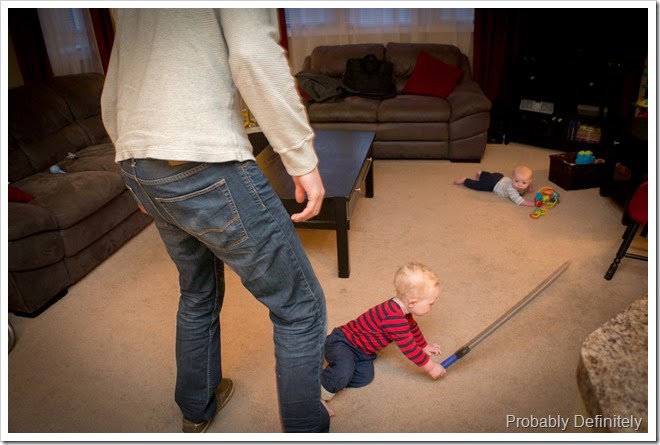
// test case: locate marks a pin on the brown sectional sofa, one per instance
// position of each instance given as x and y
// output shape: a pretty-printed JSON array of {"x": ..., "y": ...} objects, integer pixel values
[
  {"x": 406, "y": 126},
  {"x": 77, "y": 218}
]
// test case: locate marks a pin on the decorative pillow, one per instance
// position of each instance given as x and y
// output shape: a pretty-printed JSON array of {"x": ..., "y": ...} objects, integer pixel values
[
  {"x": 18, "y": 195},
  {"x": 432, "y": 77}
]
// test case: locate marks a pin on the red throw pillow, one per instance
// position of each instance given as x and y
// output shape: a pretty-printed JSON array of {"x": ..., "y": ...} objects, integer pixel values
[
  {"x": 18, "y": 195},
  {"x": 432, "y": 77}
]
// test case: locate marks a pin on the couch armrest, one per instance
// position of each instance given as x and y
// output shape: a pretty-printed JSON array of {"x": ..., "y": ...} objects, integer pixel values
[
  {"x": 28, "y": 219},
  {"x": 467, "y": 99},
  {"x": 307, "y": 64}
]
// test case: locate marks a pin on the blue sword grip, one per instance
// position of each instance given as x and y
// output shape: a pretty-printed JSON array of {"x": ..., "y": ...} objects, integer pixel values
[{"x": 450, "y": 361}]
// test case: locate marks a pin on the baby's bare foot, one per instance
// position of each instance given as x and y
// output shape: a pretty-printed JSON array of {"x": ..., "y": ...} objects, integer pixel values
[{"x": 459, "y": 181}]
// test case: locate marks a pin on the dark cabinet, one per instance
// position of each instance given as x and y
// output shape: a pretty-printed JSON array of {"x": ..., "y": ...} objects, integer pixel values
[{"x": 626, "y": 161}]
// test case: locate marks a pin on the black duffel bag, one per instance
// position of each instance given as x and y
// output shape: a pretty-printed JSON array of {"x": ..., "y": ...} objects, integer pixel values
[{"x": 369, "y": 76}]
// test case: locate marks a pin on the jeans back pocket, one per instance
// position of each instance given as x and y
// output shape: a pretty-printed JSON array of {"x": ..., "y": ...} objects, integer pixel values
[{"x": 209, "y": 214}]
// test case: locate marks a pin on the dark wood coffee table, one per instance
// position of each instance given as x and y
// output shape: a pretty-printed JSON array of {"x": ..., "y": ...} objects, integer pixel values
[{"x": 345, "y": 164}]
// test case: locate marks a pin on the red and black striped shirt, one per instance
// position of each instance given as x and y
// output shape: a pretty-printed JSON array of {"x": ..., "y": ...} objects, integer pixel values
[{"x": 384, "y": 324}]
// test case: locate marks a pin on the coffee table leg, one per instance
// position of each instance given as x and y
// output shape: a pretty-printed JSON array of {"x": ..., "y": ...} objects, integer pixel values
[
  {"x": 369, "y": 181},
  {"x": 342, "y": 237}
]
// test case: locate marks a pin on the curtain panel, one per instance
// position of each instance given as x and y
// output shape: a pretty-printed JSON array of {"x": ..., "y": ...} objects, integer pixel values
[
  {"x": 104, "y": 33},
  {"x": 59, "y": 41},
  {"x": 29, "y": 45},
  {"x": 70, "y": 40},
  {"x": 497, "y": 36}
]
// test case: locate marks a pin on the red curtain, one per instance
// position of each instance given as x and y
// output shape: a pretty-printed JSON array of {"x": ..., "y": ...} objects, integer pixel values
[
  {"x": 284, "y": 37},
  {"x": 497, "y": 34},
  {"x": 29, "y": 45},
  {"x": 104, "y": 32}
]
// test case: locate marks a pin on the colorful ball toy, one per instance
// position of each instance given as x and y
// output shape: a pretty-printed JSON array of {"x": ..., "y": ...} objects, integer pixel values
[{"x": 546, "y": 196}]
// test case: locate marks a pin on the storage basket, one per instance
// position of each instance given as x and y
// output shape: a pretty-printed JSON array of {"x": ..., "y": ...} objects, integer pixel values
[{"x": 571, "y": 176}]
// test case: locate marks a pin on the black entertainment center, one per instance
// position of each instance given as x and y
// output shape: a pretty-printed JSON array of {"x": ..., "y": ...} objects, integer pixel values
[
  {"x": 574, "y": 68},
  {"x": 574, "y": 85}
]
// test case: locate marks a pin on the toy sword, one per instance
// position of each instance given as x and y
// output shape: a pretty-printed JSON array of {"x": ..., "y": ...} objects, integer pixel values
[{"x": 504, "y": 318}]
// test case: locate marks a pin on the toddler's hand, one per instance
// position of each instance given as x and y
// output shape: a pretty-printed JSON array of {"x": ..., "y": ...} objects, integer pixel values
[
  {"x": 433, "y": 350},
  {"x": 437, "y": 371}
]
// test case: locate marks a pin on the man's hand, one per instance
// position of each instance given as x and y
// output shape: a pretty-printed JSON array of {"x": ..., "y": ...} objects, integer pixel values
[{"x": 310, "y": 186}]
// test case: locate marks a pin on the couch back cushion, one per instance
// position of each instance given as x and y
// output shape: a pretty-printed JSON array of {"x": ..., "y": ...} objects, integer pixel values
[
  {"x": 42, "y": 126},
  {"x": 48, "y": 120},
  {"x": 82, "y": 92},
  {"x": 18, "y": 162},
  {"x": 330, "y": 60},
  {"x": 404, "y": 56}
]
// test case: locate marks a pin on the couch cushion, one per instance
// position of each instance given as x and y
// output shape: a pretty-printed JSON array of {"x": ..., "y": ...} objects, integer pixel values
[
  {"x": 404, "y": 55},
  {"x": 95, "y": 158},
  {"x": 85, "y": 260},
  {"x": 27, "y": 219},
  {"x": 412, "y": 131},
  {"x": 331, "y": 59},
  {"x": 432, "y": 77},
  {"x": 411, "y": 150},
  {"x": 18, "y": 162},
  {"x": 349, "y": 109},
  {"x": 42, "y": 125},
  {"x": 411, "y": 108},
  {"x": 39, "y": 250},
  {"x": 79, "y": 236},
  {"x": 71, "y": 197},
  {"x": 82, "y": 92},
  {"x": 470, "y": 125}
]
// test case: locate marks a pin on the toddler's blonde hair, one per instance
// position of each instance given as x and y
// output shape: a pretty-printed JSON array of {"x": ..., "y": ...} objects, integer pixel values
[{"x": 413, "y": 279}]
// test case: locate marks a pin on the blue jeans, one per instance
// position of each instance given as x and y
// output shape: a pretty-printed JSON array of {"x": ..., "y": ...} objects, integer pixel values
[
  {"x": 348, "y": 366},
  {"x": 486, "y": 182},
  {"x": 209, "y": 214}
]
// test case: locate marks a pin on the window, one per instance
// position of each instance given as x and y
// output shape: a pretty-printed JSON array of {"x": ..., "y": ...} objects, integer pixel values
[
  {"x": 364, "y": 20},
  {"x": 311, "y": 27},
  {"x": 373, "y": 18},
  {"x": 70, "y": 42}
]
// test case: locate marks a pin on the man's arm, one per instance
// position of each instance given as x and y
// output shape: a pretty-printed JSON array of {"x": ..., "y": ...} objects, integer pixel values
[{"x": 262, "y": 74}]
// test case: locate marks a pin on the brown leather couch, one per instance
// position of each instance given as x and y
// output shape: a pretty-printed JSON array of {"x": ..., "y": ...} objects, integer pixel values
[
  {"x": 77, "y": 218},
  {"x": 406, "y": 126}
]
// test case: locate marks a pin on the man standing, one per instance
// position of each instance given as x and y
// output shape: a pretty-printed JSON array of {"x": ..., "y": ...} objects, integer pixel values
[{"x": 171, "y": 106}]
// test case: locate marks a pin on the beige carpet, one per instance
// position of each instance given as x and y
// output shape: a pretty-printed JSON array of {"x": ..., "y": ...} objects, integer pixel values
[{"x": 101, "y": 360}]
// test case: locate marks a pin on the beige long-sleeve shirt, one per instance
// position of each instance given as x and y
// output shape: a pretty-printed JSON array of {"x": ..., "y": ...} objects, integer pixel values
[{"x": 173, "y": 82}]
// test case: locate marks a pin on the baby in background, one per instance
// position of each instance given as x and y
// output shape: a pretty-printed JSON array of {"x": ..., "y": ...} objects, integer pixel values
[
  {"x": 513, "y": 188},
  {"x": 351, "y": 348}
]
